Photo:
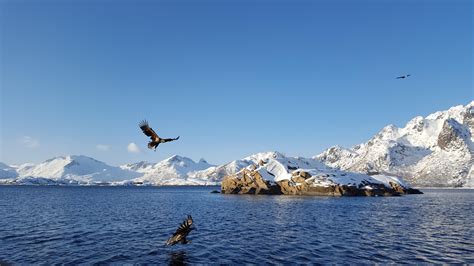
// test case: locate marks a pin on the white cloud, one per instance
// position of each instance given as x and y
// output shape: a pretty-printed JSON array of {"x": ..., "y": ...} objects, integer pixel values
[
  {"x": 133, "y": 148},
  {"x": 30, "y": 142},
  {"x": 102, "y": 147}
]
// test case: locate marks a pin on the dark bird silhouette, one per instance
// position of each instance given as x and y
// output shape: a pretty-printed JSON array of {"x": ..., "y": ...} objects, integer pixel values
[
  {"x": 155, "y": 139},
  {"x": 403, "y": 77},
  {"x": 182, "y": 232}
]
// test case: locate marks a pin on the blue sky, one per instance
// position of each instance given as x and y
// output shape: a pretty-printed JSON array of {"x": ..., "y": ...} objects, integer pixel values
[{"x": 231, "y": 78}]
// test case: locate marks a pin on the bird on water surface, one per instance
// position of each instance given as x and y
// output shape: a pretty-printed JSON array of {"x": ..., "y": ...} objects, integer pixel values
[
  {"x": 182, "y": 232},
  {"x": 155, "y": 139}
]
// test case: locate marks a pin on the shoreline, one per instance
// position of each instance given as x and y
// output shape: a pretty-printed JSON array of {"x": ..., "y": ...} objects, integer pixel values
[{"x": 216, "y": 185}]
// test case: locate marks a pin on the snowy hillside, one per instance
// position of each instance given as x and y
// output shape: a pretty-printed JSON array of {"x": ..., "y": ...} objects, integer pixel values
[
  {"x": 216, "y": 173},
  {"x": 176, "y": 170},
  {"x": 436, "y": 150},
  {"x": 71, "y": 170},
  {"x": 7, "y": 171},
  {"x": 274, "y": 166}
]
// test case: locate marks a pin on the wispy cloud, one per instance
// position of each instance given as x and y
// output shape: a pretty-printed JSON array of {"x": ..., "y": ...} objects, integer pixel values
[
  {"x": 133, "y": 148},
  {"x": 29, "y": 142},
  {"x": 102, "y": 147}
]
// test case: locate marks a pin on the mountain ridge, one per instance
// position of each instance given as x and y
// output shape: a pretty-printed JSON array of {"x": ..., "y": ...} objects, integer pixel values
[{"x": 436, "y": 150}]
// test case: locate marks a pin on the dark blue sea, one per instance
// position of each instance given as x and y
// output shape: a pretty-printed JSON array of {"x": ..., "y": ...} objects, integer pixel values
[{"x": 49, "y": 224}]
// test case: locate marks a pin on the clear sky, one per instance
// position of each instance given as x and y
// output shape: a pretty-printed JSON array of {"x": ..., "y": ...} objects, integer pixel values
[{"x": 232, "y": 78}]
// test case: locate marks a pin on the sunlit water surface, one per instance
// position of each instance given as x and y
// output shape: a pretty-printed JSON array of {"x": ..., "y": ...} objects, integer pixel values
[{"x": 131, "y": 224}]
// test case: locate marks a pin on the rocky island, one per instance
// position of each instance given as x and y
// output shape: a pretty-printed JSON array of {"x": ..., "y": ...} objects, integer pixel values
[{"x": 280, "y": 175}]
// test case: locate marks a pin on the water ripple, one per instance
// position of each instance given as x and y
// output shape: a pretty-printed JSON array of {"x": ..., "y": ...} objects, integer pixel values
[{"x": 106, "y": 225}]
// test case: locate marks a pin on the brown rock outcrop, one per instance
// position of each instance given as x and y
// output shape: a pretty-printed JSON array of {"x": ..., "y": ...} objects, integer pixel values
[
  {"x": 248, "y": 182},
  {"x": 300, "y": 176},
  {"x": 251, "y": 182},
  {"x": 402, "y": 190}
]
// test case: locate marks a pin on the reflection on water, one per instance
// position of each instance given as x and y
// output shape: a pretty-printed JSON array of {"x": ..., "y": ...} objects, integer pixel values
[
  {"x": 131, "y": 224},
  {"x": 178, "y": 258}
]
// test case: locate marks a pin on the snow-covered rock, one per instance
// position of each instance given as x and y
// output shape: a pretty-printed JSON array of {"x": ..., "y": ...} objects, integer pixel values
[
  {"x": 218, "y": 172},
  {"x": 436, "y": 150},
  {"x": 278, "y": 174}
]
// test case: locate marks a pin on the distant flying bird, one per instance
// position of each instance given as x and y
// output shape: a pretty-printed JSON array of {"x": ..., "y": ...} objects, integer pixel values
[
  {"x": 182, "y": 232},
  {"x": 403, "y": 77},
  {"x": 155, "y": 139}
]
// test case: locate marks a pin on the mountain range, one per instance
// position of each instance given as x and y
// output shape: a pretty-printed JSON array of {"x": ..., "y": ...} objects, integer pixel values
[{"x": 435, "y": 151}]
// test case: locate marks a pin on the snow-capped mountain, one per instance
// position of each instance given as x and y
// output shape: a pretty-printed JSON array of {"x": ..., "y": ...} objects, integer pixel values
[
  {"x": 216, "y": 173},
  {"x": 74, "y": 169},
  {"x": 176, "y": 170},
  {"x": 7, "y": 171},
  {"x": 436, "y": 150}
]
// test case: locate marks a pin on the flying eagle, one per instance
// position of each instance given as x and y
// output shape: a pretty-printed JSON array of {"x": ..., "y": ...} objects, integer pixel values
[
  {"x": 182, "y": 232},
  {"x": 155, "y": 139},
  {"x": 403, "y": 77}
]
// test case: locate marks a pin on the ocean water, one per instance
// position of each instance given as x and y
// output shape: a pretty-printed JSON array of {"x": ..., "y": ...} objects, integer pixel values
[{"x": 131, "y": 224}]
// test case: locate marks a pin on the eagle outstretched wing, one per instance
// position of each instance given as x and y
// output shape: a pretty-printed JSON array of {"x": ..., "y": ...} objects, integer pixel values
[
  {"x": 403, "y": 77},
  {"x": 147, "y": 130},
  {"x": 183, "y": 230}
]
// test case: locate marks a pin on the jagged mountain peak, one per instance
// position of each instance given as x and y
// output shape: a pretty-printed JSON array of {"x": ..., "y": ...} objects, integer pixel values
[
  {"x": 72, "y": 158},
  {"x": 456, "y": 112},
  {"x": 182, "y": 161},
  {"x": 453, "y": 135},
  {"x": 437, "y": 148},
  {"x": 177, "y": 158},
  {"x": 265, "y": 155}
]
